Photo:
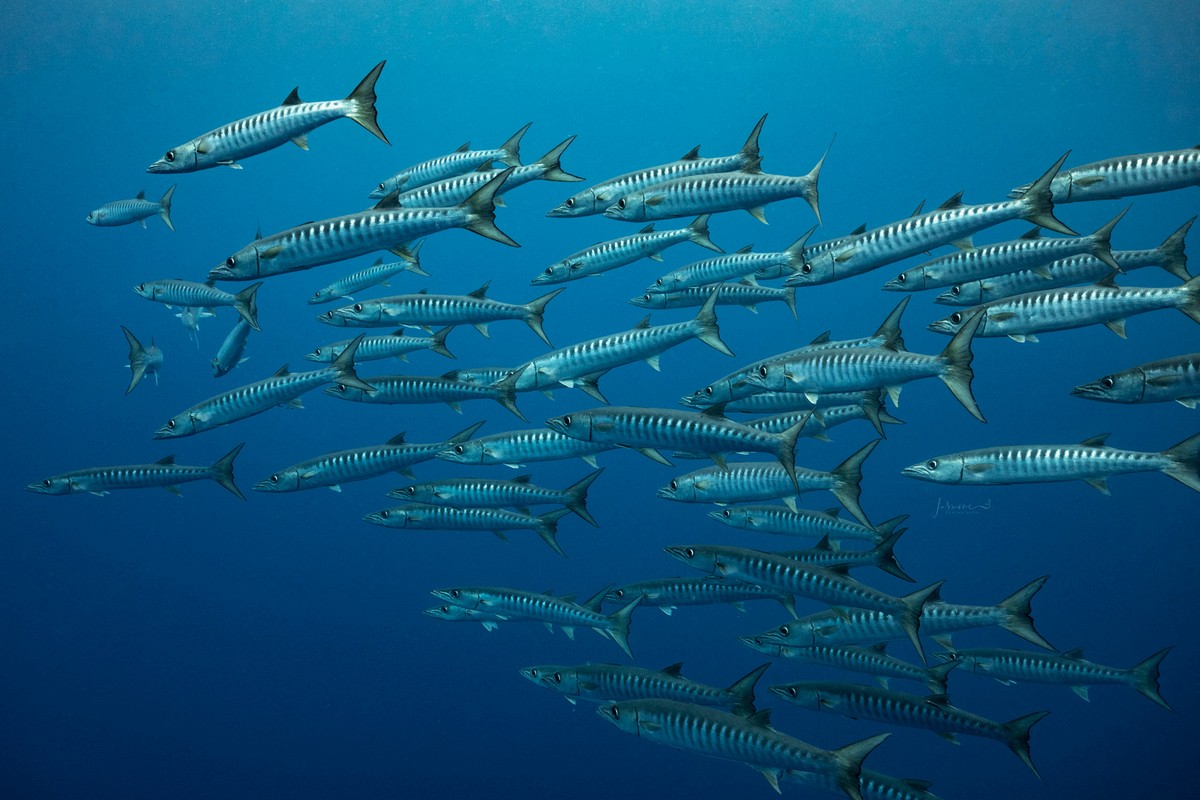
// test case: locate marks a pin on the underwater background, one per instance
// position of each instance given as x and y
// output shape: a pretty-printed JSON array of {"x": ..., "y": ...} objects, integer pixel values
[{"x": 156, "y": 646}]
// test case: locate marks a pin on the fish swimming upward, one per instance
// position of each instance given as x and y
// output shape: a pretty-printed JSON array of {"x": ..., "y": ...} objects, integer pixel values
[{"x": 143, "y": 361}]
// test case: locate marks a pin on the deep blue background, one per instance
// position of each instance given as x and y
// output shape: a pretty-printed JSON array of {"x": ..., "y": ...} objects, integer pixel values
[{"x": 198, "y": 646}]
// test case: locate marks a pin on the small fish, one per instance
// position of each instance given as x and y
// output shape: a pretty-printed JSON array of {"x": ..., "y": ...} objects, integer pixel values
[
  {"x": 292, "y": 121},
  {"x": 1176, "y": 378},
  {"x": 403, "y": 389},
  {"x": 190, "y": 317},
  {"x": 446, "y": 518},
  {"x": 143, "y": 361},
  {"x": 873, "y": 661},
  {"x": 164, "y": 473},
  {"x": 453, "y": 613},
  {"x": 229, "y": 355},
  {"x": 731, "y": 266},
  {"x": 743, "y": 293},
  {"x": 1123, "y": 176},
  {"x": 395, "y": 345},
  {"x": 125, "y": 212},
  {"x": 376, "y": 274},
  {"x": 202, "y": 295},
  {"x": 873, "y": 785},
  {"x": 605, "y": 256},
  {"x": 518, "y": 493},
  {"x": 461, "y": 161},
  {"x": 517, "y": 448},
  {"x": 667, "y": 594},
  {"x": 826, "y": 525}
]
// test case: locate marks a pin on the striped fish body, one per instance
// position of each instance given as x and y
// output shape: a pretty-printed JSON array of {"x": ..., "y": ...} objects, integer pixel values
[
  {"x": 1090, "y": 461},
  {"x": 788, "y": 402},
  {"x": 460, "y": 162},
  {"x": 1176, "y": 378},
  {"x": 723, "y": 268},
  {"x": 815, "y": 425},
  {"x": 406, "y": 389},
  {"x": 601, "y": 683},
  {"x": 866, "y": 660},
  {"x": 373, "y": 275},
  {"x": 709, "y": 194},
  {"x": 614, "y": 253},
  {"x": 451, "y": 191},
  {"x": 745, "y": 481},
  {"x": 668, "y": 593},
  {"x": 230, "y": 353},
  {"x": 137, "y": 209},
  {"x": 728, "y": 294},
  {"x": 851, "y": 370},
  {"x": 1027, "y": 666},
  {"x": 483, "y": 375},
  {"x": 524, "y": 605},
  {"x": 346, "y": 466},
  {"x": 1125, "y": 176},
  {"x": 516, "y": 448},
  {"x": 452, "y": 613},
  {"x": 874, "y": 785},
  {"x": 101, "y": 480},
  {"x": 419, "y": 516},
  {"x": 482, "y": 493},
  {"x": 419, "y": 310},
  {"x": 184, "y": 293},
  {"x": 634, "y": 426},
  {"x": 374, "y": 348},
  {"x": 782, "y": 521}
]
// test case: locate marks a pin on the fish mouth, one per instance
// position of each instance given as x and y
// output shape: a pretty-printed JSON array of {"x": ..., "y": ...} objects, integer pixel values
[
  {"x": 894, "y": 285},
  {"x": 665, "y": 491},
  {"x": 1088, "y": 390},
  {"x": 159, "y": 167},
  {"x": 39, "y": 488},
  {"x": 918, "y": 471},
  {"x": 943, "y": 326},
  {"x": 947, "y": 299},
  {"x": 375, "y": 518},
  {"x": 165, "y": 433},
  {"x": 217, "y": 273},
  {"x": 758, "y": 644},
  {"x": 331, "y": 318}
]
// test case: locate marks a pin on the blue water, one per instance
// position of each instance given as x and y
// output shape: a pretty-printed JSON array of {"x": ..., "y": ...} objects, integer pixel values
[{"x": 156, "y": 646}]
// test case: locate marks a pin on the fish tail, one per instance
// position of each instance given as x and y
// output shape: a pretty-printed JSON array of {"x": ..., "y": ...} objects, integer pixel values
[
  {"x": 847, "y": 484},
  {"x": 481, "y": 208},
  {"x": 1185, "y": 461},
  {"x": 362, "y": 102},
  {"x": 245, "y": 303},
  {"x": 438, "y": 344},
  {"x": 749, "y": 150},
  {"x": 164, "y": 210},
  {"x": 534, "y": 311},
  {"x": 1145, "y": 677},
  {"x": 886, "y": 558},
  {"x": 789, "y": 297},
  {"x": 590, "y": 385},
  {"x": 1018, "y": 613},
  {"x": 412, "y": 255},
  {"x": 811, "y": 195},
  {"x": 786, "y": 450},
  {"x": 743, "y": 690},
  {"x": 547, "y": 528},
  {"x": 889, "y": 330},
  {"x": 1018, "y": 737},
  {"x": 698, "y": 233},
  {"x": 1191, "y": 298},
  {"x": 618, "y": 628},
  {"x": 506, "y": 393},
  {"x": 1102, "y": 241},
  {"x": 1039, "y": 201},
  {"x": 851, "y": 758},
  {"x": 1174, "y": 258},
  {"x": 553, "y": 169},
  {"x": 936, "y": 681},
  {"x": 222, "y": 471},
  {"x": 137, "y": 359},
  {"x": 577, "y": 497},
  {"x": 343, "y": 367},
  {"x": 512, "y": 148},
  {"x": 706, "y": 323},
  {"x": 910, "y": 616},
  {"x": 958, "y": 375}
]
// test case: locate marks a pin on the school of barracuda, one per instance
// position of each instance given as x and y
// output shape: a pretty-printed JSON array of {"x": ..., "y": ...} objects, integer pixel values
[{"x": 1018, "y": 289}]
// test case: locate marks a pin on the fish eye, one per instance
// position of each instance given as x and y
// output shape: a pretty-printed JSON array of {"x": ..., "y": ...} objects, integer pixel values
[
  {"x": 570, "y": 202},
  {"x": 46, "y": 482},
  {"x": 274, "y": 479},
  {"x": 382, "y": 187},
  {"x": 689, "y": 552},
  {"x": 708, "y": 391},
  {"x": 955, "y": 291},
  {"x": 658, "y": 282},
  {"x": 621, "y": 203},
  {"x": 762, "y": 371},
  {"x": 557, "y": 677},
  {"x": 383, "y": 514},
  {"x": 901, "y": 278},
  {"x": 342, "y": 388},
  {"x": 616, "y": 712},
  {"x": 618, "y": 593},
  {"x": 567, "y": 420},
  {"x": 170, "y": 156},
  {"x": 317, "y": 352},
  {"x": 410, "y": 490},
  {"x": 358, "y": 307},
  {"x": 171, "y": 424},
  {"x": 549, "y": 270},
  {"x": 932, "y": 463},
  {"x": 725, "y": 514},
  {"x": 956, "y": 317},
  {"x": 784, "y": 630},
  {"x": 446, "y": 609},
  {"x": 454, "y": 592},
  {"x": 806, "y": 269},
  {"x": 141, "y": 287},
  {"x": 791, "y": 691},
  {"x": 646, "y": 297},
  {"x": 458, "y": 449},
  {"x": 674, "y": 485},
  {"x": 231, "y": 262},
  {"x": 1107, "y": 382}
]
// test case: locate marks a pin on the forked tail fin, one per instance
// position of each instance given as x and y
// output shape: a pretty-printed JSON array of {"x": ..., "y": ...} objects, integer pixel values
[{"x": 362, "y": 101}]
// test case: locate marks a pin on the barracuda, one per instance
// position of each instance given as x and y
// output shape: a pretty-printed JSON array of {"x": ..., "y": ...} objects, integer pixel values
[
  {"x": 449, "y": 191},
  {"x": 394, "y": 345},
  {"x": 1066, "y": 669},
  {"x": 745, "y": 294},
  {"x": 818, "y": 421},
  {"x": 459, "y": 614},
  {"x": 376, "y": 274},
  {"x": 282, "y": 388},
  {"x": 518, "y": 493},
  {"x": 727, "y": 267},
  {"x": 519, "y": 604},
  {"x": 749, "y": 189},
  {"x": 648, "y": 429},
  {"x": 333, "y": 469},
  {"x": 229, "y": 354},
  {"x": 601, "y": 683},
  {"x": 938, "y": 620},
  {"x": 290, "y": 122},
  {"x": 667, "y": 594},
  {"x": 749, "y": 740},
  {"x": 516, "y": 448},
  {"x": 139, "y": 209},
  {"x": 605, "y": 256},
  {"x": 482, "y": 375},
  {"x": 873, "y": 661},
  {"x": 871, "y": 368},
  {"x": 187, "y": 294},
  {"x": 802, "y": 580},
  {"x": 874, "y": 785},
  {"x": 933, "y": 713},
  {"x": 143, "y": 361},
  {"x": 1091, "y": 461},
  {"x": 1170, "y": 255},
  {"x": 951, "y": 222},
  {"x": 1161, "y": 381},
  {"x": 164, "y": 473},
  {"x": 783, "y": 521},
  {"x": 1030, "y": 252},
  {"x": 406, "y": 389},
  {"x": 423, "y": 310},
  {"x": 1022, "y": 317},
  {"x": 747, "y": 481},
  {"x": 384, "y": 227},
  {"x": 461, "y": 161},
  {"x": 828, "y": 555},
  {"x": 1124, "y": 176},
  {"x": 421, "y": 517},
  {"x": 596, "y": 199}
]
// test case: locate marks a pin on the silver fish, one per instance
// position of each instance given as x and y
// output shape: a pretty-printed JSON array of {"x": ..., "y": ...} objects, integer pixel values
[
  {"x": 404, "y": 389},
  {"x": 730, "y": 266},
  {"x": 605, "y": 256},
  {"x": 461, "y": 161},
  {"x": 124, "y": 212},
  {"x": 873, "y": 661},
  {"x": 1124, "y": 176},
  {"x": 745, "y": 293},
  {"x": 164, "y": 473},
  {"x": 191, "y": 294},
  {"x": 395, "y": 345},
  {"x": 783, "y": 521},
  {"x": 518, "y": 493},
  {"x": 229, "y": 355},
  {"x": 1176, "y": 378},
  {"x": 446, "y": 518},
  {"x": 667, "y": 594},
  {"x": 143, "y": 361},
  {"x": 516, "y": 448},
  {"x": 374, "y": 275}
]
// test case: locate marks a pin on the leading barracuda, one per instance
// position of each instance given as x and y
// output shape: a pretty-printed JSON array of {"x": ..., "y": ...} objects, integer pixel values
[
  {"x": 518, "y": 493},
  {"x": 1176, "y": 378},
  {"x": 139, "y": 209},
  {"x": 803, "y": 580},
  {"x": 143, "y": 361},
  {"x": 1124, "y": 176},
  {"x": 187, "y": 294},
  {"x": 605, "y": 256},
  {"x": 667, "y": 594},
  {"x": 596, "y": 199},
  {"x": 290, "y": 122},
  {"x": 461, "y": 161},
  {"x": 601, "y": 683},
  {"x": 1091, "y": 461},
  {"x": 445, "y": 518},
  {"x": 951, "y": 222},
  {"x": 164, "y": 473},
  {"x": 873, "y": 661},
  {"x": 933, "y": 713},
  {"x": 384, "y": 227},
  {"x": 516, "y": 448},
  {"x": 374, "y": 275},
  {"x": 359, "y": 463},
  {"x": 282, "y": 388},
  {"x": 749, "y": 740},
  {"x": 732, "y": 265}
]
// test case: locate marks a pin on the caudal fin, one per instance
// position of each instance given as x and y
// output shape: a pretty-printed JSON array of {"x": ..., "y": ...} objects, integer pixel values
[
  {"x": 1191, "y": 299},
  {"x": 847, "y": 483},
  {"x": 958, "y": 375},
  {"x": 786, "y": 449},
  {"x": 886, "y": 558},
  {"x": 547, "y": 528},
  {"x": 618, "y": 625},
  {"x": 743, "y": 690},
  {"x": 1145, "y": 677},
  {"x": 362, "y": 102},
  {"x": 481, "y": 210},
  {"x": 506, "y": 392},
  {"x": 512, "y": 148},
  {"x": 438, "y": 342},
  {"x": 535, "y": 309},
  {"x": 222, "y": 471},
  {"x": 1102, "y": 241},
  {"x": 343, "y": 367},
  {"x": 164, "y": 210},
  {"x": 137, "y": 359},
  {"x": 552, "y": 169},
  {"x": 1185, "y": 459},
  {"x": 245, "y": 303},
  {"x": 577, "y": 497},
  {"x": 936, "y": 682},
  {"x": 1018, "y": 737},
  {"x": 1173, "y": 257},
  {"x": 851, "y": 758},
  {"x": 698, "y": 231},
  {"x": 1018, "y": 613},
  {"x": 910, "y": 616},
  {"x": 889, "y": 330},
  {"x": 811, "y": 195},
  {"x": 1039, "y": 201},
  {"x": 706, "y": 326}
]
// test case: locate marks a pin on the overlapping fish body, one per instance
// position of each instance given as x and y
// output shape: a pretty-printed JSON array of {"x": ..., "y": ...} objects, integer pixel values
[
  {"x": 933, "y": 713},
  {"x": 728, "y": 267},
  {"x": 827, "y": 555},
  {"x": 1091, "y": 461},
  {"x": 421, "y": 517},
  {"x": 951, "y": 222},
  {"x": 418, "y": 389},
  {"x": 744, "y": 293},
  {"x": 783, "y": 521},
  {"x": 1064, "y": 669},
  {"x": 1125, "y": 176},
  {"x": 395, "y": 345},
  {"x": 667, "y": 594},
  {"x": 164, "y": 473},
  {"x": 1176, "y": 378},
  {"x": 596, "y": 199},
  {"x": 290, "y": 122},
  {"x": 749, "y": 740},
  {"x": 384, "y": 227},
  {"x": 517, "y": 448},
  {"x": 873, "y": 785},
  {"x": 518, "y": 493},
  {"x": 137, "y": 209},
  {"x": 608, "y": 255},
  {"x": 143, "y": 359},
  {"x": 359, "y": 463},
  {"x": 376, "y": 274},
  {"x": 461, "y": 161},
  {"x": 232, "y": 348},
  {"x": 202, "y": 295},
  {"x": 818, "y": 421},
  {"x": 282, "y": 388},
  {"x": 452, "y": 613},
  {"x": 873, "y": 661}
]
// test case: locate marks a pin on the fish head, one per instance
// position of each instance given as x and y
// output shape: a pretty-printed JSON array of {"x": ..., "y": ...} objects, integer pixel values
[
  {"x": 145, "y": 290},
  {"x": 1120, "y": 387},
  {"x": 804, "y": 694},
  {"x": 704, "y": 559},
  {"x": 667, "y": 283},
  {"x": 417, "y": 493},
  {"x": 736, "y": 517},
  {"x": 392, "y": 184},
  {"x": 650, "y": 300},
  {"x": 472, "y": 452},
  {"x": 577, "y": 205},
  {"x": 623, "y": 715},
  {"x": 961, "y": 294},
  {"x": 461, "y": 596},
  {"x": 576, "y": 426},
  {"x": 452, "y": 613},
  {"x": 388, "y": 517},
  {"x": 358, "y": 314},
  {"x": 331, "y": 317},
  {"x": 58, "y": 484},
  {"x": 98, "y": 216},
  {"x": 804, "y": 632},
  {"x": 242, "y": 264},
  {"x": 183, "y": 424},
  {"x": 819, "y": 269},
  {"x": 327, "y": 354},
  {"x": 950, "y": 325},
  {"x": 718, "y": 392},
  {"x": 325, "y": 295},
  {"x": 761, "y": 645},
  {"x": 681, "y": 489},
  {"x": 344, "y": 392},
  {"x": 770, "y": 377},
  {"x": 631, "y": 207},
  {"x": 943, "y": 469},
  {"x": 183, "y": 158},
  {"x": 287, "y": 480},
  {"x": 623, "y": 595},
  {"x": 560, "y": 271},
  {"x": 563, "y": 680},
  {"x": 910, "y": 280}
]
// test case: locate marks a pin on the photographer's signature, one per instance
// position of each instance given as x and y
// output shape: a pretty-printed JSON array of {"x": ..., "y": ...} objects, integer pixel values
[{"x": 948, "y": 509}]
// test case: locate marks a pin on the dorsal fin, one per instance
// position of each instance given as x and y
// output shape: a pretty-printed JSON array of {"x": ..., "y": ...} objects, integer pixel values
[
  {"x": 397, "y": 439},
  {"x": 821, "y": 338},
  {"x": 1109, "y": 280},
  {"x": 648, "y": 229},
  {"x": 833, "y": 512},
  {"x": 823, "y": 544},
  {"x": 860, "y": 229},
  {"x": 423, "y": 291},
  {"x": 674, "y": 669},
  {"x": 880, "y": 647},
  {"x": 166, "y": 460},
  {"x": 747, "y": 249},
  {"x": 390, "y": 201},
  {"x": 938, "y": 699},
  {"x": 141, "y": 195},
  {"x": 645, "y": 323},
  {"x": 1034, "y": 233},
  {"x": 691, "y": 155},
  {"x": 753, "y": 166},
  {"x": 953, "y": 202},
  {"x": 1074, "y": 653},
  {"x": 716, "y": 410},
  {"x": 761, "y": 718},
  {"x": 522, "y": 479},
  {"x": 464, "y": 147},
  {"x": 293, "y": 99},
  {"x": 481, "y": 291},
  {"x": 279, "y": 373},
  {"x": 1096, "y": 441}
]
